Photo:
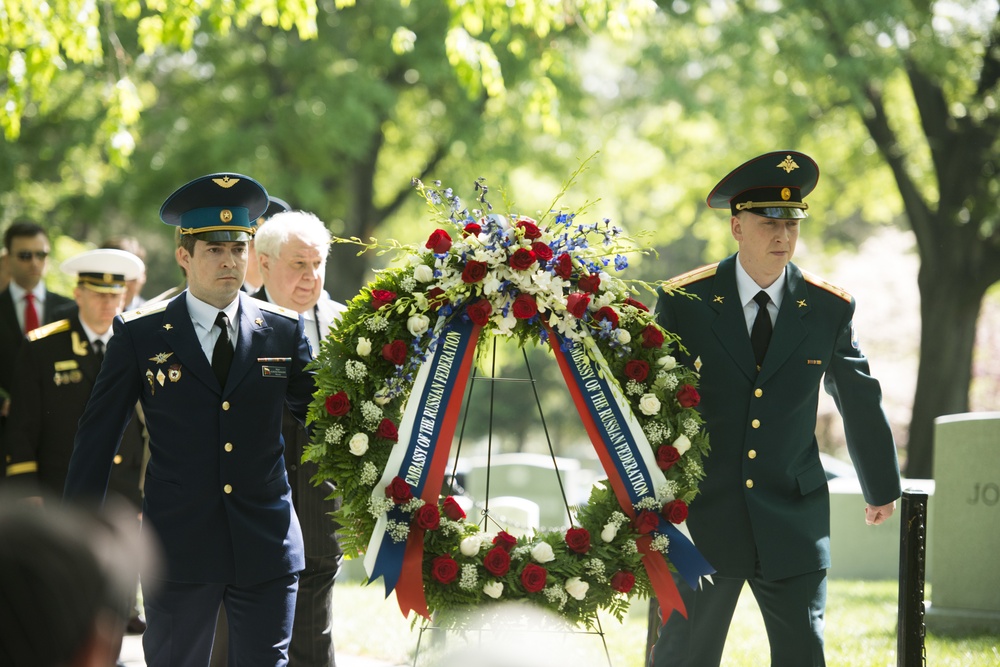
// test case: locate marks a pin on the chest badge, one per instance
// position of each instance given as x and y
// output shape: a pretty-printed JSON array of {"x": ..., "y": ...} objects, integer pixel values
[
  {"x": 161, "y": 357},
  {"x": 802, "y": 303},
  {"x": 718, "y": 298}
]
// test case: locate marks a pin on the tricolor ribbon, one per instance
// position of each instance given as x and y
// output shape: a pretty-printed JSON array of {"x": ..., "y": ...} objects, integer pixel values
[
  {"x": 628, "y": 460},
  {"x": 420, "y": 457}
]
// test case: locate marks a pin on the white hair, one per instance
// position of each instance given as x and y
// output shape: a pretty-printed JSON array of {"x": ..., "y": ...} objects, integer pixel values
[{"x": 302, "y": 225}]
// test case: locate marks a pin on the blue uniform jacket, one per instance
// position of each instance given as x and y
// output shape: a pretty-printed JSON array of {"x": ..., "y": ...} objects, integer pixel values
[
  {"x": 765, "y": 493},
  {"x": 216, "y": 490}
]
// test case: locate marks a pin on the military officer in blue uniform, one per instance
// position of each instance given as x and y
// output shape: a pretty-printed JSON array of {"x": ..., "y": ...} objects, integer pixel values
[
  {"x": 764, "y": 334},
  {"x": 213, "y": 369}
]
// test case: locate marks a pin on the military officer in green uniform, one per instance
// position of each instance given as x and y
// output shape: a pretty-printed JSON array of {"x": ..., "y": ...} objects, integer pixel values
[{"x": 764, "y": 334}]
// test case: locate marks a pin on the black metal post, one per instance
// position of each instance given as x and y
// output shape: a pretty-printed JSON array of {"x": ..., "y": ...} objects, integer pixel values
[{"x": 912, "y": 557}]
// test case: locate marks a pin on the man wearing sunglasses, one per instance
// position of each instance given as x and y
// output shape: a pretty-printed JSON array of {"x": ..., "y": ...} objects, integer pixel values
[{"x": 25, "y": 304}]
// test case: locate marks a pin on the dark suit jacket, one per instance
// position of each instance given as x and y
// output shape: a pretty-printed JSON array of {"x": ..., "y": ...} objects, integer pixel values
[
  {"x": 53, "y": 378},
  {"x": 318, "y": 529},
  {"x": 11, "y": 338},
  {"x": 764, "y": 494},
  {"x": 216, "y": 490}
]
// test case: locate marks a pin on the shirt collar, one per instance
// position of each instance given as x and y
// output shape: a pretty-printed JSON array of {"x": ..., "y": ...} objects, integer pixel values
[
  {"x": 748, "y": 287},
  {"x": 17, "y": 292},
  {"x": 93, "y": 335},
  {"x": 204, "y": 314}
]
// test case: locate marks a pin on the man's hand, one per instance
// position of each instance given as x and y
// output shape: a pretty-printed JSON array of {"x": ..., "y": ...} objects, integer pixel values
[{"x": 876, "y": 515}]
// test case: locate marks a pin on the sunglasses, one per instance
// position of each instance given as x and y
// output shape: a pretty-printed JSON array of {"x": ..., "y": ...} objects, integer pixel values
[{"x": 26, "y": 255}]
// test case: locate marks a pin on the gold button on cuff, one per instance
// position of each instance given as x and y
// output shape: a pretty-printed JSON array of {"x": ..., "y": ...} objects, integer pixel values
[
  {"x": 758, "y": 392},
  {"x": 229, "y": 447},
  {"x": 118, "y": 459},
  {"x": 755, "y": 423},
  {"x": 752, "y": 454},
  {"x": 749, "y": 483},
  {"x": 225, "y": 405},
  {"x": 228, "y": 488}
]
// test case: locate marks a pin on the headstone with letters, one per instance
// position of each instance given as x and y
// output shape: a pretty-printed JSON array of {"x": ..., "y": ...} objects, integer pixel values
[{"x": 963, "y": 524}]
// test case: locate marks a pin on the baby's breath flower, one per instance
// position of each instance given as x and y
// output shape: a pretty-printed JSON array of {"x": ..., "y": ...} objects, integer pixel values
[
  {"x": 690, "y": 427},
  {"x": 355, "y": 370},
  {"x": 469, "y": 577},
  {"x": 634, "y": 388},
  {"x": 397, "y": 530},
  {"x": 647, "y": 503},
  {"x": 556, "y": 595},
  {"x": 377, "y": 323},
  {"x": 369, "y": 474},
  {"x": 379, "y": 506},
  {"x": 660, "y": 543},
  {"x": 334, "y": 434},
  {"x": 629, "y": 548},
  {"x": 596, "y": 569},
  {"x": 371, "y": 413}
]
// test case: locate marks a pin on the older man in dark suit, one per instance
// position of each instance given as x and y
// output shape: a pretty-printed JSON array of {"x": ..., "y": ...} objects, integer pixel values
[
  {"x": 213, "y": 369},
  {"x": 764, "y": 334}
]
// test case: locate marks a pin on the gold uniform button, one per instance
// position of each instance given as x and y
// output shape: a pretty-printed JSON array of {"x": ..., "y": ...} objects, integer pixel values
[
  {"x": 758, "y": 392},
  {"x": 749, "y": 483},
  {"x": 225, "y": 405},
  {"x": 118, "y": 459},
  {"x": 228, "y": 488},
  {"x": 229, "y": 447},
  {"x": 755, "y": 423},
  {"x": 752, "y": 453}
]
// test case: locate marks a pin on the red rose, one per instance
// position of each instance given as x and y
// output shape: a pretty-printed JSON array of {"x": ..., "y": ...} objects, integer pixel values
[
  {"x": 452, "y": 509},
  {"x": 338, "y": 405},
  {"x": 479, "y": 312},
  {"x": 622, "y": 581},
  {"x": 607, "y": 313},
  {"x": 531, "y": 231},
  {"x": 578, "y": 540},
  {"x": 427, "y": 517},
  {"x": 394, "y": 352},
  {"x": 505, "y": 540},
  {"x": 688, "y": 396},
  {"x": 636, "y": 304},
  {"x": 667, "y": 456},
  {"x": 652, "y": 336},
  {"x": 382, "y": 297},
  {"x": 533, "y": 577},
  {"x": 399, "y": 491},
  {"x": 474, "y": 271},
  {"x": 524, "y": 307},
  {"x": 387, "y": 430},
  {"x": 564, "y": 266},
  {"x": 646, "y": 522},
  {"x": 522, "y": 259},
  {"x": 439, "y": 242},
  {"x": 542, "y": 251},
  {"x": 637, "y": 369},
  {"x": 435, "y": 298},
  {"x": 472, "y": 229},
  {"x": 444, "y": 569},
  {"x": 577, "y": 302},
  {"x": 497, "y": 561},
  {"x": 590, "y": 283},
  {"x": 676, "y": 511}
]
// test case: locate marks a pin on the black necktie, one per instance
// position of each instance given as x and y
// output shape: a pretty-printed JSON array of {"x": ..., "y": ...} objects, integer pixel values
[
  {"x": 98, "y": 347},
  {"x": 760, "y": 334},
  {"x": 222, "y": 355}
]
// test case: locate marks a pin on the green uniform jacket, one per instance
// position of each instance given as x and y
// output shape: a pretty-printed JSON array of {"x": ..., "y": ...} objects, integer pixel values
[{"x": 765, "y": 494}]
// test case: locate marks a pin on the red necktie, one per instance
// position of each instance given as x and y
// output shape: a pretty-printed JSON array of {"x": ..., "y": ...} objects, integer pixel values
[{"x": 30, "y": 313}]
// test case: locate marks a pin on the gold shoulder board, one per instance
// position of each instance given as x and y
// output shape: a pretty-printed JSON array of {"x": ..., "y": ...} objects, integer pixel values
[
  {"x": 48, "y": 329},
  {"x": 272, "y": 308},
  {"x": 822, "y": 284},
  {"x": 692, "y": 276},
  {"x": 142, "y": 311}
]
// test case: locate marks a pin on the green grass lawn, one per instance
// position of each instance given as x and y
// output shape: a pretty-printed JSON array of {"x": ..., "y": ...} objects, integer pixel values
[{"x": 860, "y": 632}]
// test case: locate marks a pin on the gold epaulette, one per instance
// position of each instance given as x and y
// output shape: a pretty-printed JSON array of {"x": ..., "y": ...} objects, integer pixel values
[
  {"x": 142, "y": 311},
  {"x": 48, "y": 329},
  {"x": 22, "y": 468},
  {"x": 272, "y": 308},
  {"x": 822, "y": 284},
  {"x": 692, "y": 276}
]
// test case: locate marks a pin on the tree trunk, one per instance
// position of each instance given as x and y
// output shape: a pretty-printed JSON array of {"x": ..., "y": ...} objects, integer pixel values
[{"x": 949, "y": 309}]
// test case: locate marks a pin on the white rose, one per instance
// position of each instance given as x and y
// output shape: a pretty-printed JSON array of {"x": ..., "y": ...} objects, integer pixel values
[
  {"x": 682, "y": 444},
  {"x": 624, "y": 337},
  {"x": 494, "y": 589},
  {"x": 470, "y": 545},
  {"x": 364, "y": 347},
  {"x": 610, "y": 532},
  {"x": 649, "y": 404},
  {"x": 667, "y": 363},
  {"x": 423, "y": 273},
  {"x": 576, "y": 587},
  {"x": 358, "y": 444},
  {"x": 542, "y": 552},
  {"x": 417, "y": 324}
]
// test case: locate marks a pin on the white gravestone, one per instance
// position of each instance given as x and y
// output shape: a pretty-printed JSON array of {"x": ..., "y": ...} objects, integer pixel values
[{"x": 964, "y": 524}]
